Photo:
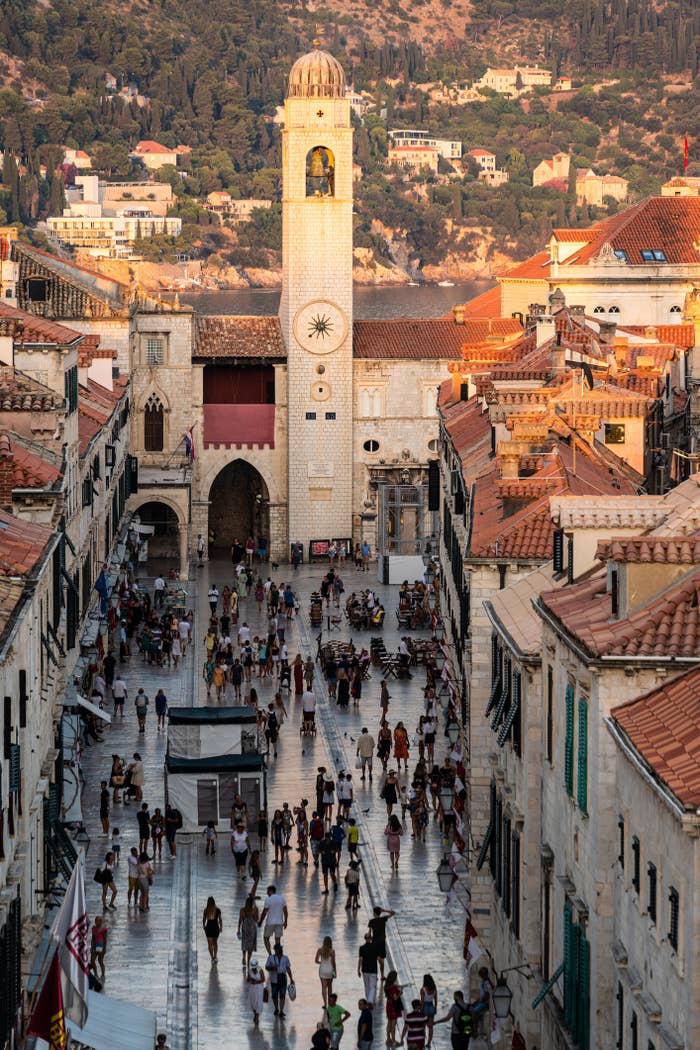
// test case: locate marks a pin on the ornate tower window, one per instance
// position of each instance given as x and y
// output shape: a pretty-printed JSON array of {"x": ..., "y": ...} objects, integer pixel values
[
  {"x": 153, "y": 424},
  {"x": 320, "y": 172}
]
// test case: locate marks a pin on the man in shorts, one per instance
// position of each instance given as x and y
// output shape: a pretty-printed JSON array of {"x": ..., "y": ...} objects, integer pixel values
[
  {"x": 132, "y": 862},
  {"x": 120, "y": 693},
  {"x": 274, "y": 916},
  {"x": 328, "y": 854},
  {"x": 308, "y": 707},
  {"x": 365, "y": 751},
  {"x": 377, "y": 925},
  {"x": 183, "y": 629}
]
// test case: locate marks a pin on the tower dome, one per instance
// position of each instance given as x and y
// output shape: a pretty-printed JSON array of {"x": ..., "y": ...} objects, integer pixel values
[{"x": 317, "y": 75}]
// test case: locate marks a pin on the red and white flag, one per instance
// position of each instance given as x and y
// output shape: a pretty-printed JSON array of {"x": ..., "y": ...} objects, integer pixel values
[
  {"x": 47, "y": 1021},
  {"x": 71, "y": 933},
  {"x": 473, "y": 949}
]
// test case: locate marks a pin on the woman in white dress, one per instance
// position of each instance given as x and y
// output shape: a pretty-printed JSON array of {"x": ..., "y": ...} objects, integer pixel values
[
  {"x": 256, "y": 984},
  {"x": 325, "y": 960}
]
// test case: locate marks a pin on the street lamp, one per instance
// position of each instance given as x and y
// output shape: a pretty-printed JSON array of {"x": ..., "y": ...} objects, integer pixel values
[
  {"x": 429, "y": 575},
  {"x": 501, "y": 998},
  {"x": 439, "y": 631},
  {"x": 439, "y": 659},
  {"x": 445, "y": 875},
  {"x": 453, "y": 732}
]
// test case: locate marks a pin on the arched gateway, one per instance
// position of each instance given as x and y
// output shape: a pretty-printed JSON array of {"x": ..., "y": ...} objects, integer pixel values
[{"x": 239, "y": 506}]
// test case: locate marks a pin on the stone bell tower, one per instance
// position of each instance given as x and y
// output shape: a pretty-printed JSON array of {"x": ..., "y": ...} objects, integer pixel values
[{"x": 316, "y": 304}]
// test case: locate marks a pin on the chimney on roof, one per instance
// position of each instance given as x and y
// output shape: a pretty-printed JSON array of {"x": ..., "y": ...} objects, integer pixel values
[
  {"x": 458, "y": 313},
  {"x": 577, "y": 311},
  {"x": 510, "y": 463},
  {"x": 607, "y": 331},
  {"x": 544, "y": 328},
  {"x": 558, "y": 357},
  {"x": 7, "y": 471},
  {"x": 557, "y": 300}
]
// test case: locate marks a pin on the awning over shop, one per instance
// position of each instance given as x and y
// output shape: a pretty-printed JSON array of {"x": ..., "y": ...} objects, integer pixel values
[
  {"x": 81, "y": 701},
  {"x": 112, "y": 1023}
]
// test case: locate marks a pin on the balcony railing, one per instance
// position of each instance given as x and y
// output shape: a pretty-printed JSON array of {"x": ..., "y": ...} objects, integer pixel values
[{"x": 237, "y": 426}]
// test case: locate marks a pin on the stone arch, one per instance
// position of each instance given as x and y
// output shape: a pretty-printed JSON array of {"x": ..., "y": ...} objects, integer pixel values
[
  {"x": 239, "y": 506},
  {"x": 169, "y": 517},
  {"x": 320, "y": 172}
]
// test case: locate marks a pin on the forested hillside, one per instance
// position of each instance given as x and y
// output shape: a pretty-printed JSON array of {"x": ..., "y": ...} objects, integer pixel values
[{"x": 212, "y": 76}]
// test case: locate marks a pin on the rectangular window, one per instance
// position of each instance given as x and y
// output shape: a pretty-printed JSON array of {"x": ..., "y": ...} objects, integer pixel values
[
  {"x": 582, "y": 773},
  {"x": 673, "y": 917},
  {"x": 620, "y": 1042},
  {"x": 550, "y": 715},
  {"x": 569, "y": 742},
  {"x": 651, "y": 906},
  {"x": 155, "y": 350},
  {"x": 614, "y": 433},
  {"x": 330, "y": 415},
  {"x": 507, "y": 873},
  {"x": 515, "y": 884},
  {"x": 310, "y": 415},
  {"x": 621, "y": 841},
  {"x": 636, "y": 863},
  {"x": 498, "y": 840},
  {"x": 492, "y": 825}
]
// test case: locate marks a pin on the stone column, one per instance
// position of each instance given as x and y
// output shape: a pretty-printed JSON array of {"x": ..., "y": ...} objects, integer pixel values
[{"x": 184, "y": 552}]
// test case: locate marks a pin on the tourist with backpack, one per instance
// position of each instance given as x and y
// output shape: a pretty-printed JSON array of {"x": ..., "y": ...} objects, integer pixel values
[{"x": 462, "y": 1026}]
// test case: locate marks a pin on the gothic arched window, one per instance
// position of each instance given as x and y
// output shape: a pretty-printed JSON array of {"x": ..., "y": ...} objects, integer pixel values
[{"x": 153, "y": 425}]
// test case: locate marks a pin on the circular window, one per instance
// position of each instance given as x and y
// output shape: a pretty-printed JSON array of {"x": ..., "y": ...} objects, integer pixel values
[
  {"x": 371, "y": 445},
  {"x": 433, "y": 445},
  {"x": 320, "y": 391},
  {"x": 320, "y": 369}
]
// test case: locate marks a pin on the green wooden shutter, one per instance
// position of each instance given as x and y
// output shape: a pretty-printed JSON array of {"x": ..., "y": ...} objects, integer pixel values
[
  {"x": 569, "y": 970},
  {"x": 582, "y": 780},
  {"x": 569, "y": 742},
  {"x": 584, "y": 969}
]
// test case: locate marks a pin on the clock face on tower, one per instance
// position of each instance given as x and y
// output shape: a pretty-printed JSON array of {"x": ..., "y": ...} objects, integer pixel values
[{"x": 320, "y": 326}]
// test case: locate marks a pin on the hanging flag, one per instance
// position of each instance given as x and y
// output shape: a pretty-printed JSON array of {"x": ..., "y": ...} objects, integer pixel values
[
  {"x": 71, "y": 933},
  {"x": 473, "y": 949},
  {"x": 189, "y": 444},
  {"x": 47, "y": 1022},
  {"x": 102, "y": 588},
  {"x": 685, "y": 154}
]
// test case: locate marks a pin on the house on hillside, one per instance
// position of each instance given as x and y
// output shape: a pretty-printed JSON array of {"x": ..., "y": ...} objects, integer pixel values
[
  {"x": 153, "y": 156},
  {"x": 549, "y": 169}
]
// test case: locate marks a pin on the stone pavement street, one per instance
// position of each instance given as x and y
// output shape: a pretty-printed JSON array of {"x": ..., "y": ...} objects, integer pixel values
[{"x": 424, "y": 937}]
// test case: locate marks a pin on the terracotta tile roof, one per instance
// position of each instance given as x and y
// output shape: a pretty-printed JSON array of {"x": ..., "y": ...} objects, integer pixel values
[
  {"x": 11, "y": 592},
  {"x": 512, "y": 609},
  {"x": 648, "y": 550},
  {"x": 470, "y": 431},
  {"x": 671, "y": 224},
  {"x": 639, "y": 383},
  {"x": 88, "y": 428},
  {"x": 488, "y": 304},
  {"x": 537, "y": 266},
  {"x": 660, "y": 354},
  {"x": 151, "y": 146},
  {"x": 22, "y": 544},
  {"x": 621, "y": 512},
  {"x": 239, "y": 336},
  {"x": 30, "y": 471},
  {"x": 664, "y": 728},
  {"x": 574, "y": 236},
  {"x": 408, "y": 338},
  {"x": 20, "y": 393},
  {"x": 681, "y": 335},
  {"x": 65, "y": 265},
  {"x": 668, "y": 626},
  {"x": 31, "y": 329}
]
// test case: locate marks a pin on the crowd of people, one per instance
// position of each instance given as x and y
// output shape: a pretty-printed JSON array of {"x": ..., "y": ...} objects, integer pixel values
[{"x": 239, "y": 663}]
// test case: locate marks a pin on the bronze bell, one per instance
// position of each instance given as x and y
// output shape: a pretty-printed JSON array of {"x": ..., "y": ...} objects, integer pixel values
[{"x": 316, "y": 166}]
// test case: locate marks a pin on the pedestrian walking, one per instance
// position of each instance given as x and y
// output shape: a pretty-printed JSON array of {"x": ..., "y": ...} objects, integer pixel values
[
  {"x": 137, "y": 775},
  {"x": 116, "y": 845},
  {"x": 414, "y": 1027},
  {"x": 161, "y": 702},
  {"x": 315, "y": 835},
  {"x": 384, "y": 744},
  {"x": 302, "y": 826},
  {"x": 394, "y": 1006},
  {"x": 98, "y": 945},
  {"x": 119, "y": 694},
  {"x": 336, "y": 1015},
  {"x": 213, "y": 598},
  {"x": 353, "y": 838},
  {"x": 210, "y": 836},
  {"x": 325, "y": 960},
  {"x": 263, "y": 827},
  {"x": 280, "y": 970},
  {"x": 277, "y": 837},
  {"x": 247, "y": 931},
  {"x": 342, "y": 689},
  {"x": 328, "y": 796},
  {"x": 365, "y": 1025},
  {"x": 255, "y": 871},
  {"x": 401, "y": 745},
  {"x": 255, "y": 980},
  {"x": 429, "y": 1003},
  {"x": 367, "y": 968},
  {"x": 393, "y": 832},
  {"x": 173, "y": 823},
  {"x": 461, "y": 1022},
  {"x": 389, "y": 793},
  {"x": 116, "y": 777},
  {"x": 132, "y": 867},
  {"x": 240, "y": 844},
  {"x": 218, "y": 680},
  {"x": 200, "y": 548},
  {"x": 275, "y": 917},
  {"x": 104, "y": 807},
  {"x": 212, "y": 924},
  {"x": 143, "y": 818},
  {"x": 107, "y": 881},
  {"x": 352, "y": 883},
  {"x": 298, "y": 673},
  {"x": 377, "y": 926},
  {"x": 365, "y": 751},
  {"x": 328, "y": 853},
  {"x": 144, "y": 881},
  {"x": 141, "y": 704},
  {"x": 157, "y": 829}
]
